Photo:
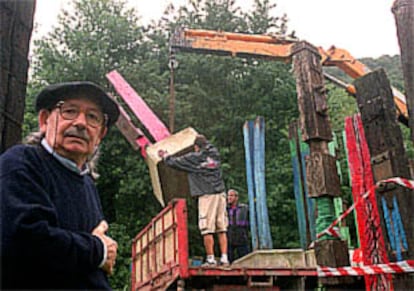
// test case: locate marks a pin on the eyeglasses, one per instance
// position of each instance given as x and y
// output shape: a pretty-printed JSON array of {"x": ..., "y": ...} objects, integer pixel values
[{"x": 93, "y": 117}]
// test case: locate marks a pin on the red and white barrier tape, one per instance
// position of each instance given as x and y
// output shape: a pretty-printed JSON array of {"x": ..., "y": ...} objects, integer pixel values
[
  {"x": 390, "y": 268},
  {"x": 332, "y": 230},
  {"x": 401, "y": 181}
]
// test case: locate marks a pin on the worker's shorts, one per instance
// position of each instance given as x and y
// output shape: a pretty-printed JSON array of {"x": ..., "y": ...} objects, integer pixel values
[{"x": 212, "y": 213}]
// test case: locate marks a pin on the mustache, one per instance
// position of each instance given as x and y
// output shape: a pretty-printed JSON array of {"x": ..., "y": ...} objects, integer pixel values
[{"x": 76, "y": 132}]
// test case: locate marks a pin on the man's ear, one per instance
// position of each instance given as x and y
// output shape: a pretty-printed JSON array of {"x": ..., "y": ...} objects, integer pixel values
[
  {"x": 43, "y": 119},
  {"x": 104, "y": 131}
]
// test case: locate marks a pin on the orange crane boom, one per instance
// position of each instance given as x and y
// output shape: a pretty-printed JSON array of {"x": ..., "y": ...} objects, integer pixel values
[{"x": 274, "y": 48}]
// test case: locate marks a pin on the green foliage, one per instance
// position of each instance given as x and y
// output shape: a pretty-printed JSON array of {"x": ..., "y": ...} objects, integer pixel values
[
  {"x": 341, "y": 105},
  {"x": 121, "y": 278},
  {"x": 260, "y": 20},
  {"x": 99, "y": 36},
  {"x": 30, "y": 115},
  {"x": 392, "y": 66}
]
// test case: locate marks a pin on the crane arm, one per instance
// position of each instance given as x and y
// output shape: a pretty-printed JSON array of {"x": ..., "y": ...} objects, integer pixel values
[
  {"x": 232, "y": 44},
  {"x": 272, "y": 47}
]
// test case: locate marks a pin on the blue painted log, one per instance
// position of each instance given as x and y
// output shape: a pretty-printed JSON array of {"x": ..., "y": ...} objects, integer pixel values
[
  {"x": 248, "y": 150},
  {"x": 398, "y": 220},
  {"x": 400, "y": 238},
  {"x": 397, "y": 237},
  {"x": 388, "y": 223},
  {"x": 265, "y": 239}
]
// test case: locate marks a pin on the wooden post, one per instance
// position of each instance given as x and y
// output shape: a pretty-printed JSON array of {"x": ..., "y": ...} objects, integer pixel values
[
  {"x": 321, "y": 174},
  {"x": 370, "y": 233},
  {"x": 254, "y": 143},
  {"x": 388, "y": 159},
  {"x": 404, "y": 18},
  {"x": 303, "y": 203},
  {"x": 15, "y": 32},
  {"x": 248, "y": 150}
]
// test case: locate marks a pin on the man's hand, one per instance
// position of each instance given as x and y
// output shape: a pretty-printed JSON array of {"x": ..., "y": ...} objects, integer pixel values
[
  {"x": 111, "y": 246},
  {"x": 101, "y": 228}
]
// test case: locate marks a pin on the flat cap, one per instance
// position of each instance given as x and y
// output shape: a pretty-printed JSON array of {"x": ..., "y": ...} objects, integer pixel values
[{"x": 54, "y": 93}]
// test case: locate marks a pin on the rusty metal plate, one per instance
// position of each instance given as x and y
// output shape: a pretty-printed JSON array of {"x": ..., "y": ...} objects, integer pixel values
[{"x": 382, "y": 166}]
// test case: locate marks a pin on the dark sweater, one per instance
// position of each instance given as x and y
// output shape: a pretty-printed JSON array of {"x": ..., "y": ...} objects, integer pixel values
[
  {"x": 47, "y": 215},
  {"x": 237, "y": 231},
  {"x": 203, "y": 168}
]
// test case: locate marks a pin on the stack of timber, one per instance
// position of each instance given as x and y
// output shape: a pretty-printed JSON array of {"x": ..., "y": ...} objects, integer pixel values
[{"x": 322, "y": 178}]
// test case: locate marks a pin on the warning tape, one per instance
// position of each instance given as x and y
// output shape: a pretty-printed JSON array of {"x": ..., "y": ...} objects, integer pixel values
[
  {"x": 332, "y": 230},
  {"x": 390, "y": 268},
  {"x": 401, "y": 181}
]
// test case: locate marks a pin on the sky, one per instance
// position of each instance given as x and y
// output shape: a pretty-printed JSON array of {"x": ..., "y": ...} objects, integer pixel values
[{"x": 365, "y": 28}]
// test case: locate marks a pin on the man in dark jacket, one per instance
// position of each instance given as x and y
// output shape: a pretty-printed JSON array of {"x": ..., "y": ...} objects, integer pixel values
[
  {"x": 53, "y": 232},
  {"x": 206, "y": 183},
  {"x": 237, "y": 233}
]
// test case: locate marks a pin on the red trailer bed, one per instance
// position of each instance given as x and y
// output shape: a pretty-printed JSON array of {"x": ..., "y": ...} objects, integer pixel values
[{"x": 160, "y": 261}]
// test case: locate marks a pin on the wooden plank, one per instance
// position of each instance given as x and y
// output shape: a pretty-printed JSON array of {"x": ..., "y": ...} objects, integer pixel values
[
  {"x": 169, "y": 183},
  {"x": 139, "y": 107},
  {"x": 301, "y": 211},
  {"x": 16, "y": 28},
  {"x": 322, "y": 176},
  {"x": 248, "y": 149},
  {"x": 329, "y": 253},
  {"x": 388, "y": 157},
  {"x": 369, "y": 227},
  {"x": 311, "y": 94},
  {"x": 338, "y": 203},
  {"x": 404, "y": 18},
  {"x": 299, "y": 153},
  {"x": 160, "y": 250},
  {"x": 386, "y": 146},
  {"x": 265, "y": 239},
  {"x": 277, "y": 258},
  {"x": 133, "y": 135},
  {"x": 310, "y": 203},
  {"x": 344, "y": 138}
]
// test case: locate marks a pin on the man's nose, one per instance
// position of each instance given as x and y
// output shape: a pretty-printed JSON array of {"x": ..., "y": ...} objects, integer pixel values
[{"x": 80, "y": 120}]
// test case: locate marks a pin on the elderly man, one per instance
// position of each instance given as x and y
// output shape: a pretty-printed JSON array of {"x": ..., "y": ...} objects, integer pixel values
[{"x": 53, "y": 233}]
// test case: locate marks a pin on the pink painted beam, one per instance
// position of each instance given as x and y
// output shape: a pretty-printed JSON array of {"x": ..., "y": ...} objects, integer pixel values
[
  {"x": 138, "y": 106},
  {"x": 134, "y": 135}
]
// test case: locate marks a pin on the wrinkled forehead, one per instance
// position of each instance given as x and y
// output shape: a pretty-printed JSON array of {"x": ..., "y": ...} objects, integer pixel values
[{"x": 82, "y": 101}]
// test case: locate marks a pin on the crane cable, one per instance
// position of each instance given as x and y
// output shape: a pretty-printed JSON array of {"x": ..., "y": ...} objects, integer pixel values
[{"x": 172, "y": 64}]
